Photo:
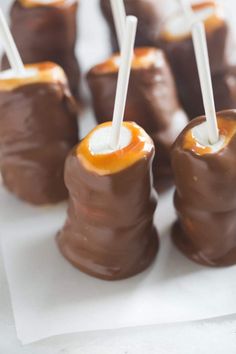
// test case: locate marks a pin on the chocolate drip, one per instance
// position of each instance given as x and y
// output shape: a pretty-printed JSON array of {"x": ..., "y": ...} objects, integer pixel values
[
  {"x": 37, "y": 130},
  {"x": 205, "y": 197},
  {"x": 152, "y": 103},
  {"x": 109, "y": 232},
  {"x": 180, "y": 53},
  {"x": 148, "y": 13},
  {"x": 47, "y": 33}
]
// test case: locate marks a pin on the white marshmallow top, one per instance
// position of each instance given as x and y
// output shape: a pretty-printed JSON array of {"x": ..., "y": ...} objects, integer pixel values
[
  {"x": 200, "y": 135},
  {"x": 144, "y": 61},
  {"x": 99, "y": 141},
  {"x": 11, "y": 74},
  {"x": 178, "y": 26}
]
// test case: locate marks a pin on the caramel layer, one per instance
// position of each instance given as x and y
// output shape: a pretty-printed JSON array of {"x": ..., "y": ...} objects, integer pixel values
[
  {"x": 46, "y": 72},
  {"x": 37, "y": 3},
  {"x": 143, "y": 58},
  {"x": 103, "y": 164},
  {"x": 227, "y": 129},
  {"x": 211, "y": 23}
]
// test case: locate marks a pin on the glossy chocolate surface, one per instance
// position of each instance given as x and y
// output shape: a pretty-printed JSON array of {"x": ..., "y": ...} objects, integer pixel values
[
  {"x": 149, "y": 14},
  {"x": 38, "y": 128},
  {"x": 109, "y": 232},
  {"x": 205, "y": 197},
  {"x": 180, "y": 53},
  {"x": 224, "y": 83},
  {"x": 152, "y": 103},
  {"x": 47, "y": 33}
]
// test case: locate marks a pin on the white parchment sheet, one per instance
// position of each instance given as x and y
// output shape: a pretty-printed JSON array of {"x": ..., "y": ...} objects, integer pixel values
[{"x": 50, "y": 297}]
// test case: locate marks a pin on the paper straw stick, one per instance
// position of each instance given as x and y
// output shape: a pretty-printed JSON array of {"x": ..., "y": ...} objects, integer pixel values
[
  {"x": 10, "y": 46},
  {"x": 204, "y": 72},
  {"x": 119, "y": 17},
  {"x": 123, "y": 80},
  {"x": 187, "y": 9},
  {"x": 201, "y": 53}
]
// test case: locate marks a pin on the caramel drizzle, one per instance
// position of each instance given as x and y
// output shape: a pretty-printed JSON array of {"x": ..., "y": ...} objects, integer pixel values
[
  {"x": 103, "y": 164},
  {"x": 227, "y": 129},
  {"x": 47, "y": 72},
  {"x": 143, "y": 58}
]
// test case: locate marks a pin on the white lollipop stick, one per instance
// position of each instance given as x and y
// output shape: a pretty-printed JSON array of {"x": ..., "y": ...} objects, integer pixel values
[
  {"x": 119, "y": 17},
  {"x": 187, "y": 8},
  {"x": 123, "y": 80},
  {"x": 10, "y": 46},
  {"x": 201, "y": 53},
  {"x": 204, "y": 72}
]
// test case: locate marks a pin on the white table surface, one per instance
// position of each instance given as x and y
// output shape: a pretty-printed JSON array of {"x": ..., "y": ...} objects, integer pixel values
[{"x": 216, "y": 336}]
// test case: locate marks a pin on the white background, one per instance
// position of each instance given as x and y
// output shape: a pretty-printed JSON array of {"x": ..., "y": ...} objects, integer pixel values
[{"x": 211, "y": 337}]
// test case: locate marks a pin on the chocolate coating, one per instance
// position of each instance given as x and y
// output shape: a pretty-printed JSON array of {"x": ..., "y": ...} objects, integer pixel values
[
  {"x": 152, "y": 103},
  {"x": 38, "y": 128},
  {"x": 224, "y": 83},
  {"x": 149, "y": 15},
  {"x": 180, "y": 54},
  {"x": 205, "y": 198},
  {"x": 224, "y": 89},
  {"x": 109, "y": 232},
  {"x": 47, "y": 33}
]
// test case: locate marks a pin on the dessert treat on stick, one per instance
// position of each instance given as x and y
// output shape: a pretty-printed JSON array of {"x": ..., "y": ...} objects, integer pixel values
[
  {"x": 177, "y": 43},
  {"x": 205, "y": 200},
  {"x": 149, "y": 14},
  {"x": 38, "y": 128},
  {"x": 109, "y": 232},
  {"x": 152, "y": 99},
  {"x": 46, "y": 31},
  {"x": 203, "y": 164},
  {"x": 152, "y": 102}
]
